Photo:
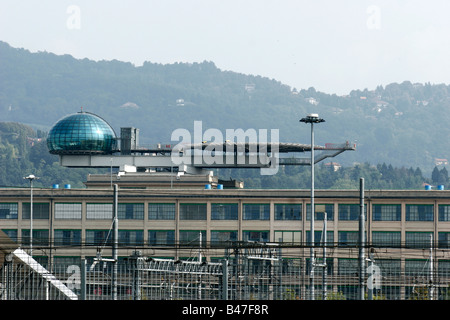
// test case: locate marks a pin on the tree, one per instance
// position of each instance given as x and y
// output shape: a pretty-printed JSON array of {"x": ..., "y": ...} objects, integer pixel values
[
  {"x": 439, "y": 177},
  {"x": 444, "y": 176}
]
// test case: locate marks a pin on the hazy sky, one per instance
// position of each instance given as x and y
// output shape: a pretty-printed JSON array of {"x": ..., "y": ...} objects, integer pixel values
[{"x": 334, "y": 46}]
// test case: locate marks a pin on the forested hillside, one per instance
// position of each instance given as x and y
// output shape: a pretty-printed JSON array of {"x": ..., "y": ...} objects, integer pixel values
[
  {"x": 23, "y": 151},
  {"x": 401, "y": 124}
]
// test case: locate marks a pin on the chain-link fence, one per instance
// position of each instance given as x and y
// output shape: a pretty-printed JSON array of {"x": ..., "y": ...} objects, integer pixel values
[{"x": 250, "y": 273}]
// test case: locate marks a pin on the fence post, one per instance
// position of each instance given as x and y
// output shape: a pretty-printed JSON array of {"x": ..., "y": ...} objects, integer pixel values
[
  {"x": 83, "y": 279},
  {"x": 47, "y": 290},
  {"x": 136, "y": 267},
  {"x": 7, "y": 276},
  {"x": 225, "y": 279}
]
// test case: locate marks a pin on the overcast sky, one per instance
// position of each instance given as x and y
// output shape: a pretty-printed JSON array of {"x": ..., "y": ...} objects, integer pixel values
[{"x": 334, "y": 46}]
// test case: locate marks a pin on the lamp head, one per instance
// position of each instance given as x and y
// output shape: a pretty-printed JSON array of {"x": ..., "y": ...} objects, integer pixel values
[
  {"x": 31, "y": 177},
  {"x": 312, "y": 118}
]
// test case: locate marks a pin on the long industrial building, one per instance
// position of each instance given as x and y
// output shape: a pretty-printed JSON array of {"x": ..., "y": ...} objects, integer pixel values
[
  {"x": 75, "y": 222},
  {"x": 71, "y": 224}
]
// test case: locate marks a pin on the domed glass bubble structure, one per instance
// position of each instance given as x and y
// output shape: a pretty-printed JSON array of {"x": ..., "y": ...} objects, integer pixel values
[{"x": 81, "y": 133}]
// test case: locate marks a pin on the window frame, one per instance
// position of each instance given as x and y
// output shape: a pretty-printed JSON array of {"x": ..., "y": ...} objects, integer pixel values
[
  {"x": 161, "y": 211},
  {"x": 284, "y": 215},
  {"x": 263, "y": 213}
]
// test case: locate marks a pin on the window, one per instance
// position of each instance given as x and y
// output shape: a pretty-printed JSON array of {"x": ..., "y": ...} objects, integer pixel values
[
  {"x": 320, "y": 210},
  {"x": 223, "y": 237},
  {"x": 40, "y": 237},
  {"x": 98, "y": 237},
  {"x": 386, "y": 239},
  {"x": 42, "y": 260},
  {"x": 288, "y": 236},
  {"x": 68, "y": 211},
  {"x": 444, "y": 271},
  {"x": 288, "y": 211},
  {"x": 444, "y": 239},
  {"x": 319, "y": 271},
  {"x": 192, "y": 237},
  {"x": 386, "y": 212},
  {"x": 256, "y": 236},
  {"x": 444, "y": 212},
  {"x": 253, "y": 211},
  {"x": 161, "y": 211},
  {"x": 419, "y": 212},
  {"x": 224, "y": 211},
  {"x": 131, "y": 237},
  {"x": 389, "y": 266},
  {"x": 415, "y": 267},
  {"x": 68, "y": 261},
  {"x": 348, "y": 238},
  {"x": 318, "y": 237},
  {"x": 67, "y": 237},
  {"x": 350, "y": 212},
  {"x": 8, "y": 210},
  {"x": 40, "y": 211},
  {"x": 418, "y": 239},
  {"x": 99, "y": 211},
  {"x": 347, "y": 266},
  {"x": 193, "y": 211},
  {"x": 11, "y": 233},
  {"x": 349, "y": 292},
  {"x": 444, "y": 268},
  {"x": 161, "y": 237},
  {"x": 134, "y": 211}
]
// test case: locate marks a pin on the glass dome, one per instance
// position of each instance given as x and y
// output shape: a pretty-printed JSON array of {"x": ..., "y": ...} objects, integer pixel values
[{"x": 81, "y": 133}]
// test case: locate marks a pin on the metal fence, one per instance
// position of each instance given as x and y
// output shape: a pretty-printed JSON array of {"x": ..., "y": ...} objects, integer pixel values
[{"x": 253, "y": 273}]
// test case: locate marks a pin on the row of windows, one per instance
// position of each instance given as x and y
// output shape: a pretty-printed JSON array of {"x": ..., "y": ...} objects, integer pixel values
[
  {"x": 223, "y": 211},
  {"x": 156, "y": 211},
  {"x": 167, "y": 237}
]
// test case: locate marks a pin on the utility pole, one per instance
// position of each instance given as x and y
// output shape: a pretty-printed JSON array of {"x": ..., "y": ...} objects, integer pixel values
[
  {"x": 115, "y": 243},
  {"x": 312, "y": 118},
  {"x": 370, "y": 286},
  {"x": 361, "y": 240},
  {"x": 324, "y": 264},
  {"x": 200, "y": 258},
  {"x": 431, "y": 269},
  {"x": 30, "y": 178}
]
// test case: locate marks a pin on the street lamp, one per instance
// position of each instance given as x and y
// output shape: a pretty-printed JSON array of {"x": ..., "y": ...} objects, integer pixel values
[
  {"x": 31, "y": 177},
  {"x": 312, "y": 118}
]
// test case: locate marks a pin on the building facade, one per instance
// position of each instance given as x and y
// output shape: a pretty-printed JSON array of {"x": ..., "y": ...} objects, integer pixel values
[
  {"x": 404, "y": 230},
  {"x": 67, "y": 220}
]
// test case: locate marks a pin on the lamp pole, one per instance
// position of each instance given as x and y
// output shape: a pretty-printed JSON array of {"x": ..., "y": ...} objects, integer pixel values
[
  {"x": 312, "y": 118},
  {"x": 31, "y": 177}
]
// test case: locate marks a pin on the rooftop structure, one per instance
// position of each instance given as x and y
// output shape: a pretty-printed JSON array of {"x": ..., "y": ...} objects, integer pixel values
[
  {"x": 86, "y": 140},
  {"x": 81, "y": 133}
]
